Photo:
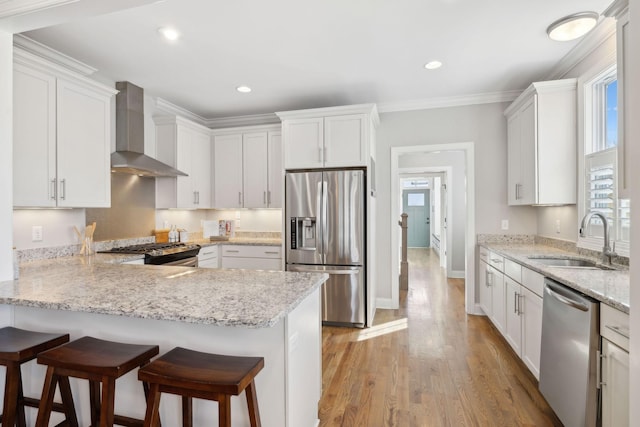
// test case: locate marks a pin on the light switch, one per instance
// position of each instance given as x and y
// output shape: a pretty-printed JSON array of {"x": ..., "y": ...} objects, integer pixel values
[
  {"x": 505, "y": 224},
  {"x": 36, "y": 233}
]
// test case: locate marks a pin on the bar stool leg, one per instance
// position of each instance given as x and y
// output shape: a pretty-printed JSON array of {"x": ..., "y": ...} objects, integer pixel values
[
  {"x": 67, "y": 401},
  {"x": 187, "y": 411},
  {"x": 46, "y": 401},
  {"x": 252, "y": 404},
  {"x": 94, "y": 402},
  {"x": 224, "y": 410},
  {"x": 11, "y": 386},
  {"x": 108, "y": 401},
  {"x": 152, "y": 418},
  {"x": 22, "y": 421}
]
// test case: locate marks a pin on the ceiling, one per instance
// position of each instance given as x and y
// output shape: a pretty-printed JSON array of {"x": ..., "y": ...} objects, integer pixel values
[{"x": 298, "y": 54}]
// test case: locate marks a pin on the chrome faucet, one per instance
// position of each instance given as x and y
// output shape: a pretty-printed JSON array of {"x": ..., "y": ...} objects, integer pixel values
[{"x": 607, "y": 251}]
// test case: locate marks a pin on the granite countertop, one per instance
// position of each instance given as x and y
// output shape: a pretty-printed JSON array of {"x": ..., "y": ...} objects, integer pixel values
[
  {"x": 608, "y": 286},
  {"x": 96, "y": 284}
]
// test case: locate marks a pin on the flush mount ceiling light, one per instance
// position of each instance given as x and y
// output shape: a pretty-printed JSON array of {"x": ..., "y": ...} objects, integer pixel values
[
  {"x": 169, "y": 33},
  {"x": 433, "y": 65},
  {"x": 573, "y": 26},
  {"x": 243, "y": 89}
]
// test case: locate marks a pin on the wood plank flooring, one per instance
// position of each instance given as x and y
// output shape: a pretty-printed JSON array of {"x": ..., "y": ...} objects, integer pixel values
[{"x": 427, "y": 364}]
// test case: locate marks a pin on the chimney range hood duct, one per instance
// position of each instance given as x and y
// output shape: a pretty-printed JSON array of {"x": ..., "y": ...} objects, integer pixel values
[{"x": 129, "y": 156}]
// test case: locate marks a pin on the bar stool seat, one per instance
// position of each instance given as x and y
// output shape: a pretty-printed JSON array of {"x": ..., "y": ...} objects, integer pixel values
[
  {"x": 190, "y": 374},
  {"x": 99, "y": 361},
  {"x": 18, "y": 346}
]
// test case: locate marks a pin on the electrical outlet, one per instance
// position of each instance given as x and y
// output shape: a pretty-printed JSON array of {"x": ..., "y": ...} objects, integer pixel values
[
  {"x": 36, "y": 233},
  {"x": 505, "y": 224},
  {"x": 558, "y": 226}
]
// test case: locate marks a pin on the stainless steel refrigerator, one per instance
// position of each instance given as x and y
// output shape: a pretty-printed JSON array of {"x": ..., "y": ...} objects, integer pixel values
[{"x": 325, "y": 231}]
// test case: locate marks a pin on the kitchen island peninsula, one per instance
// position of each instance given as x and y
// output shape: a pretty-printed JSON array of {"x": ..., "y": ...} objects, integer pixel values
[{"x": 275, "y": 315}]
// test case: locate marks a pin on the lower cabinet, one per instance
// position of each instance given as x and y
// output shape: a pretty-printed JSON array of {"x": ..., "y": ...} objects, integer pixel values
[
  {"x": 208, "y": 257},
  {"x": 252, "y": 257},
  {"x": 614, "y": 328},
  {"x": 511, "y": 296}
]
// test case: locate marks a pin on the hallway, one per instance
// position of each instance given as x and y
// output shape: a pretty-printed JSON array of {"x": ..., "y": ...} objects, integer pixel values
[{"x": 427, "y": 364}]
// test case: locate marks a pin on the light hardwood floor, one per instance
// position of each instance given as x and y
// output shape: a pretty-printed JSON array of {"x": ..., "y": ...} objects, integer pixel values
[{"x": 427, "y": 364}]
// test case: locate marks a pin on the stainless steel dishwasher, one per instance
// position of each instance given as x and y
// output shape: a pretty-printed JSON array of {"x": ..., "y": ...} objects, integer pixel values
[{"x": 569, "y": 354}]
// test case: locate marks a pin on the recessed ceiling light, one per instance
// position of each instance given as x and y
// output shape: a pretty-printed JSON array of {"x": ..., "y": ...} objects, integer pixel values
[
  {"x": 169, "y": 33},
  {"x": 243, "y": 89},
  {"x": 573, "y": 26},
  {"x": 432, "y": 65}
]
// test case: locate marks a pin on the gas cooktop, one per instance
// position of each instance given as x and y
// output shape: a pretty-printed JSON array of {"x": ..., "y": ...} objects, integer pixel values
[{"x": 159, "y": 253}]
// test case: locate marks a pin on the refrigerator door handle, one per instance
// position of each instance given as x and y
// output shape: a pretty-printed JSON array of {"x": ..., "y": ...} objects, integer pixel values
[
  {"x": 316, "y": 270},
  {"x": 325, "y": 213}
]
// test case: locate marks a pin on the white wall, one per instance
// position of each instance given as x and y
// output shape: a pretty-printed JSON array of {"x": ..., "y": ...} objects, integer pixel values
[
  {"x": 57, "y": 227},
  {"x": 568, "y": 215},
  {"x": 6, "y": 160},
  {"x": 456, "y": 160},
  {"x": 251, "y": 219},
  {"x": 633, "y": 93},
  {"x": 486, "y": 127}
]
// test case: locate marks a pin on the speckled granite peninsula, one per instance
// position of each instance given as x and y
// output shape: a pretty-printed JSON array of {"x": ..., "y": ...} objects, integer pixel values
[{"x": 275, "y": 315}]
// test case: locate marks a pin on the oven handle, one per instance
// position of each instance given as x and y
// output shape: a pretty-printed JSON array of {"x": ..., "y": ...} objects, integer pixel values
[{"x": 187, "y": 262}]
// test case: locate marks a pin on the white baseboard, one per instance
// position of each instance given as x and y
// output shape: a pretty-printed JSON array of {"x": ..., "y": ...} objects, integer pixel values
[
  {"x": 385, "y": 303},
  {"x": 456, "y": 274},
  {"x": 477, "y": 311}
]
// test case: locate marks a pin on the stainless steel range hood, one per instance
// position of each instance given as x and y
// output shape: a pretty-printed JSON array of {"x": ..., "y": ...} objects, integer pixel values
[{"x": 129, "y": 156}]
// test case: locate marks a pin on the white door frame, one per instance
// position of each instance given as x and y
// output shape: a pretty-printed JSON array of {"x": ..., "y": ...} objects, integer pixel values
[
  {"x": 447, "y": 171},
  {"x": 470, "y": 228}
]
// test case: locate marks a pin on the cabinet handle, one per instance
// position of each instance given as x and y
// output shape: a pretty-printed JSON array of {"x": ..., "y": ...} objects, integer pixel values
[
  {"x": 619, "y": 329},
  {"x": 54, "y": 192},
  {"x": 321, "y": 154},
  {"x": 264, "y": 197},
  {"x": 63, "y": 190},
  {"x": 520, "y": 298},
  {"x": 489, "y": 278},
  {"x": 515, "y": 302},
  {"x": 599, "y": 380},
  {"x": 239, "y": 198},
  {"x": 269, "y": 197},
  {"x": 230, "y": 251},
  {"x": 198, "y": 194},
  {"x": 272, "y": 252}
]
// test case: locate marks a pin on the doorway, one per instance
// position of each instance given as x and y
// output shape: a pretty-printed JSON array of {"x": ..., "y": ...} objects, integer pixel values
[{"x": 416, "y": 204}]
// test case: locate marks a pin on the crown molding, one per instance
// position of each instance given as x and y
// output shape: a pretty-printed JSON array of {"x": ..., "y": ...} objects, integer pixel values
[
  {"x": 52, "y": 55},
  {"x": 330, "y": 111},
  {"x": 173, "y": 109},
  {"x": 274, "y": 127},
  {"x": 605, "y": 29},
  {"x": 239, "y": 121},
  {"x": 617, "y": 8},
  {"x": 13, "y": 8},
  {"x": 450, "y": 101}
]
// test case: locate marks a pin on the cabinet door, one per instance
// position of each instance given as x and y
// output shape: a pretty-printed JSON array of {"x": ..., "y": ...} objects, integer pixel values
[
  {"x": 228, "y": 171},
  {"x": 83, "y": 146},
  {"x": 484, "y": 284},
  {"x": 531, "y": 318},
  {"x": 624, "y": 122},
  {"x": 201, "y": 164},
  {"x": 497, "y": 299},
  {"x": 615, "y": 390},
  {"x": 345, "y": 140},
  {"x": 527, "y": 193},
  {"x": 513, "y": 325},
  {"x": 513, "y": 159},
  {"x": 185, "y": 194},
  {"x": 275, "y": 170},
  {"x": 303, "y": 143},
  {"x": 254, "y": 169},
  {"x": 34, "y": 138}
]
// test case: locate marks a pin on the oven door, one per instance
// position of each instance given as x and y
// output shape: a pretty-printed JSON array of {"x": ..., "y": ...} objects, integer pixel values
[{"x": 186, "y": 262}]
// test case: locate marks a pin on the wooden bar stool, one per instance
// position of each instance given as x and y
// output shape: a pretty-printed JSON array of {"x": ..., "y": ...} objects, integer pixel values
[
  {"x": 190, "y": 374},
  {"x": 18, "y": 346},
  {"x": 101, "y": 362}
]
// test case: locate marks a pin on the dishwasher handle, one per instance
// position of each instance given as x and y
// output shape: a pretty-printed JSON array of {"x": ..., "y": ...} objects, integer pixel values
[{"x": 565, "y": 300}]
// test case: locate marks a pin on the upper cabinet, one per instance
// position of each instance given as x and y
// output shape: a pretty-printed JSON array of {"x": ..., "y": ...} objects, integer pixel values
[
  {"x": 541, "y": 149},
  {"x": 247, "y": 168},
  {"x": 62, "y": 130},
  {"x": 186, "y": 146},
  {"x": 620, "y": 11},
  {"x": 328, "y": 137}
]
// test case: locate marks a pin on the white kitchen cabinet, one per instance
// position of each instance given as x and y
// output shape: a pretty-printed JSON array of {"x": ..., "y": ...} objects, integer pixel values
[
  {"x": 541, "y": 147},
  {"x": 252, "y": 257},
  {"x": 513, "y": 323},
  {"x": 185, "y": 146},
  {"x": 227, "y": 171},
  {"x": 484, "y": 288},
  {"x": 327, "y": 137},
  {"x": 619, "y": 9},
  {"x": 491, "y": 282},
  {"x": 614, "y": 328},
  {"x": 497, "y": 280},
  {"x": 208, "y": 257},
  {"x": 62, "y": 137},
  {"x": 248, "y": 167}
]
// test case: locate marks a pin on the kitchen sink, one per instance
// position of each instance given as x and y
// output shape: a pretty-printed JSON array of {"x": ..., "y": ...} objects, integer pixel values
[{"x": 568, "y": 262}]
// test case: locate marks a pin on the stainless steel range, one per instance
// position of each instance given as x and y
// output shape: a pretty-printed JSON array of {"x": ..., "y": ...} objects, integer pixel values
[{"x": 182, "y": 254}]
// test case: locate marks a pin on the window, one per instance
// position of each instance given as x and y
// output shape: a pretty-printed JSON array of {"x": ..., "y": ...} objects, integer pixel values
[{"x": 599, "y": 178}]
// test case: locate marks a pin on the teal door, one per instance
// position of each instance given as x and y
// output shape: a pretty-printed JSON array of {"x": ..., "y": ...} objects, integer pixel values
[{"x": 415, "y": 203}]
